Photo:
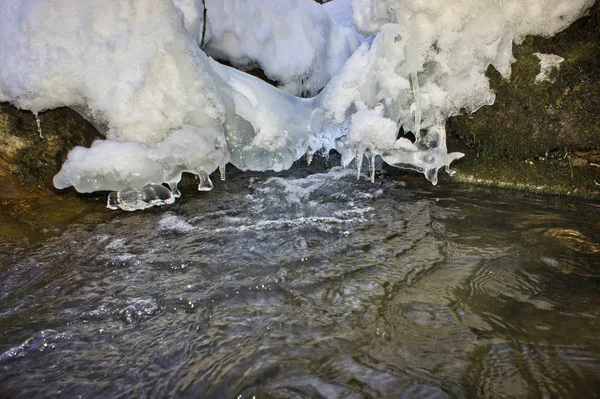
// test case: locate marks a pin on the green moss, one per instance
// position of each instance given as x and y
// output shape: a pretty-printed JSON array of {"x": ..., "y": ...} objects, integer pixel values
[
  {"x": 532, "y": 175},
  {"x": 539, "y": 122}
]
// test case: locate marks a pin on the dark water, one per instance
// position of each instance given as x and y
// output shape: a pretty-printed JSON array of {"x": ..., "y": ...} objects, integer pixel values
[{"x": 295, "y": 286}]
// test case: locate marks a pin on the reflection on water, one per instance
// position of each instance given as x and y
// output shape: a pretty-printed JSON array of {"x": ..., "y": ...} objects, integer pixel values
[{"x": 310, "y": 286}]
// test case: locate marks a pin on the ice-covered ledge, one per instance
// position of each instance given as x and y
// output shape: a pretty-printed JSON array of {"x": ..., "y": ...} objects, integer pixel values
[{"x": 378, "y": 88}]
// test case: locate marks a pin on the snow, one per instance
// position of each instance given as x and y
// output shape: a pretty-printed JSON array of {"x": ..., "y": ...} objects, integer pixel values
[
  {"x": 192, "y": 12},
  {"x": 295, "y": 42},
  {"x": 128, "y": 65},
  {"x": 135, "y": 69},
  {"x": 428, "y": 62},
  {"x": 548, "y": 63}
]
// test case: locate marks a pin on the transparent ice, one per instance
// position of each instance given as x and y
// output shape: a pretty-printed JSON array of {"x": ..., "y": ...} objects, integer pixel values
[{"x": 148, "y": 196}]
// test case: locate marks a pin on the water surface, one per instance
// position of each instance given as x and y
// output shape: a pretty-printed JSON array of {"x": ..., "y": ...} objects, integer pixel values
[{"x": 303, "y": 285}]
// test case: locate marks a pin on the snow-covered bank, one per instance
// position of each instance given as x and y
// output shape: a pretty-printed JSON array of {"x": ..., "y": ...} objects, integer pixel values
[{"x": 136, "y": 69}]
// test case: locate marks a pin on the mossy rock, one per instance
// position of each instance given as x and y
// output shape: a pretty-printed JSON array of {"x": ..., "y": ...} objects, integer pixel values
[
  {"x": 28, "y": 160},
  {"x": 542, "y": 136}
]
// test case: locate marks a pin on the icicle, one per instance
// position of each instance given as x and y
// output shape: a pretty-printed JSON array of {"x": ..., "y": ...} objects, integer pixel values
[
  {"x": 432, "y": 175},
  {"x": 112, "y": 201},
  {"x": 372, "y": 168},
  {"x": 359, "y": 161},
  {"x": 309, "y": 157},
  {"x": 39, "y": 125},
  {"x": 222, "y": 171},
  {"x": 414, "y": 79},
  {"x": 205, "y": 182}
]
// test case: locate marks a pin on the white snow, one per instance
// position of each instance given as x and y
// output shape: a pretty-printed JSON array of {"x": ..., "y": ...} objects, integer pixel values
[
  {"x": 295, "y": 42},
  {"x": 135, "y": 69},
  {"x": 428, "y": 62},
  {"x": 127, "y": 64},
  {"x": 192, "y": 12},
  {"x": 548, "y": 63}
]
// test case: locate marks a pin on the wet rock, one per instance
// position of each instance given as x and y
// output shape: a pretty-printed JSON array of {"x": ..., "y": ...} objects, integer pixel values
[
  {"x": 541, "y": 134},
  {"x": 28, "y": 159}
]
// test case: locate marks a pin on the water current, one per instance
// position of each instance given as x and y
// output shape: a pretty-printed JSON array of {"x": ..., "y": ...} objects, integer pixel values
[{"x": 307, "y": 285}]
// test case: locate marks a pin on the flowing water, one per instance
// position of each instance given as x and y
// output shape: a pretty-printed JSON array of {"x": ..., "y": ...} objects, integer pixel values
[{"x": 309, "y": 285}]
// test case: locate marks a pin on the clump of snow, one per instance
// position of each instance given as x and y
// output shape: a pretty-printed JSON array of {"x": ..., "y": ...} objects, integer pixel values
[
  {"x": 135, "y": 69},
  {"x": 295, "y": 42},
  {"x": 126, "y": 64},
  {"x": 428, "y": 62},
  {"x": 548, "y": 63},
  {"x": 192, "y": 12}
]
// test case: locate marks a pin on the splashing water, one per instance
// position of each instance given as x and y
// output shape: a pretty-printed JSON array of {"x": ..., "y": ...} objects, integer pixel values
[{"x": 301, "y": 284}]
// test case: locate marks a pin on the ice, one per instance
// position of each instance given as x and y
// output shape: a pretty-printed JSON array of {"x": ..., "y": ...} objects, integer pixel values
[
  {"x": 38, "y": 124},
  {"x": 266, "y": 128},
  {"x": 135, "y": 69},
  {"x": 112, "y": 166},
  {"x": 134, "y": 199},
  {"x": 428, "y": 62}
]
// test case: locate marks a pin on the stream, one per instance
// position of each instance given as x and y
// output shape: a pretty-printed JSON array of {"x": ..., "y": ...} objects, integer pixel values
[{"x": 308, "y": 285}]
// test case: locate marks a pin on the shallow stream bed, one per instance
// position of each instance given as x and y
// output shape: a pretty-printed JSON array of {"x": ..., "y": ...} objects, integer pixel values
[{"x": 309, "y": 285}]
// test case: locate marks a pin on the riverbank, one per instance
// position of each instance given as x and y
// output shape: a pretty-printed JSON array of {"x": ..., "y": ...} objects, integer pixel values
[{"x": 542, "y": 134}]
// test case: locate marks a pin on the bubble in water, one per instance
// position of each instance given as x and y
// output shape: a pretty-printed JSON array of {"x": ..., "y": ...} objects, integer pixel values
[
  {"x": 137, "y": 199},
  {"x": 39, "y": 342},
  {"x": 138, "y": 309}
]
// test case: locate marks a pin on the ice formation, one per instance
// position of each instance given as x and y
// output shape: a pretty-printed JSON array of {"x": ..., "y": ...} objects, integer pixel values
[
  {"x": 136, "y": 70},
  {"x": 131, "y": 199},
  {"x": 133, "y": 164}
]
